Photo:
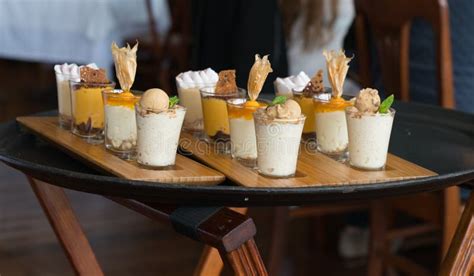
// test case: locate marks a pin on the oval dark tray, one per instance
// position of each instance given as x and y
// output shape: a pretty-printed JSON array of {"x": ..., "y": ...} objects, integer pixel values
[{"x": 437, "y": 139}]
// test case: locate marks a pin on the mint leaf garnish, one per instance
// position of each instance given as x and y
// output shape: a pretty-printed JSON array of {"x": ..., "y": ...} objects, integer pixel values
[
  {"x": 386, "y": 104},
  {"x": 278, "y": 100},
  {"x": 173, "y": 101}
]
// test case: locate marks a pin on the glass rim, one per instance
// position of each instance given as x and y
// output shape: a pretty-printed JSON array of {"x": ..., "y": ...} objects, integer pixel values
[
  {"x": 350, "y": 110},
  {"x": 260, "y": 116},
  {"x": 139, "y": 108},
  {"x": 115, "y": 92},
  {"x": 93, "y": 83},
  {"x": 244, "y": 100},
  {"x": 240, "y": 91},
  {"x": 327, "y": 90}
]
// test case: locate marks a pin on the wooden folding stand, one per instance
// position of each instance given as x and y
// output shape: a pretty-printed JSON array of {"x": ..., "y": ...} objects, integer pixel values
[{"x": 230, "y": 232}]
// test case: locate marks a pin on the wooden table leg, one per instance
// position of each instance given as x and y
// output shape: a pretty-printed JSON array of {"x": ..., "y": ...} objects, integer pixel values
[
  {"x": 230, "y": 232},
  {"x": 210, "y": 262},
  {"x": 57, "y": 208},
  {"x": 460, "y": 257},
  {"x": 245, "y": 260},
  {"x": 377, "y": 249}
]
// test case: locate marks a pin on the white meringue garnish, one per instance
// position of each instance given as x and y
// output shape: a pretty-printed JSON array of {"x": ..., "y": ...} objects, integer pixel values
[
  {"x": 72, "y": 71},
  {"x": 197, "y": 79},
  {"x": 68, "y": 71},
  {"x": 291, "y": 82}
]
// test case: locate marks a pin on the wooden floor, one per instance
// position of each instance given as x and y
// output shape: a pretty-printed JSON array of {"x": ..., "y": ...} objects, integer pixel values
[{"x": 125, "y": 243}]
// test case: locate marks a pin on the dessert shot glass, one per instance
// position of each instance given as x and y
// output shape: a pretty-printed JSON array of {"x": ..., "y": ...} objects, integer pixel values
[
  {"x": 216, "y": 120},
  {"x": 278, "y": 143},
  {"x": 369, "y": 137},
  {"x": 64, "y": 100},
  {"x": 243, "y": 143},
  {"x": 88, "y": 110},
  {"x": 120, "y": 122},
  {"x": 307, "y": 108},
  {"x": 158, "y": 136},
  {"x": 190, "y": 97},
  {"x": 331, "y": 126}
]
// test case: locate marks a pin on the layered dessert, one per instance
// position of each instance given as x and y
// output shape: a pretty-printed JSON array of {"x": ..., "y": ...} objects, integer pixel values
[
  {"x": 278, "y": 130},
  {"x": 242, "y": 130},
  {"x": 214, "y": 109},
  {"x": 65, "y": 73},
  {"x": 159, "y": 122},
  {"x": 304, "y": 97},
  {"x": 240, "y": 111},
  {"x": 120, "y": 120},
  {"x": 189, "y": 83},
  {"x": 88, "y": 104},
  {"x": 331, "y": 128},
  {"x": 369, "y": 124},
  {"x": 330, "y": 116},
  {"x": 285, "y": 86}
]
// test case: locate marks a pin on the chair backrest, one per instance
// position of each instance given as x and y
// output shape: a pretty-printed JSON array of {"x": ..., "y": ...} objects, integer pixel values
[{"x": 390, "y": 23}]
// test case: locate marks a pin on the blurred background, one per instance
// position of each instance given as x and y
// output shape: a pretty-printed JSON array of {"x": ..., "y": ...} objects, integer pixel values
[
  {"x": 181, "y": 35},
  {"x": 418, "y": 50}
]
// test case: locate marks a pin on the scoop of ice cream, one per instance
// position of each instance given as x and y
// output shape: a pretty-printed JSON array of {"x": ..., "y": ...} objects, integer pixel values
[
  {"x": 291, "y": 82},
  {"x": 155, "y": 100},
  {"x": 288, "y": 110},
  {"x": 368, "y": 101},
  {"x": 197, "y": 79}
]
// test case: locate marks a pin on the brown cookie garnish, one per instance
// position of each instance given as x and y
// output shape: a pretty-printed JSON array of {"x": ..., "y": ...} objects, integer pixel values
[
  {"x": 91, "y": 75},
  {"x": 226, "y": 83},
  {"x": 315, "y": 85}
]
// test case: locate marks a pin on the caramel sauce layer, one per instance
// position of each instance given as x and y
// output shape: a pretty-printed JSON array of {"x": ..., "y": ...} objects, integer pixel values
[
  {"x": 246, "y": 110},
  {"x": 335, "y": 104}
]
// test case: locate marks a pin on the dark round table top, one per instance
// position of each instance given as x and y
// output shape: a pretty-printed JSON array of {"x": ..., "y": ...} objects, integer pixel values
[{"x": 438, "y": 139}]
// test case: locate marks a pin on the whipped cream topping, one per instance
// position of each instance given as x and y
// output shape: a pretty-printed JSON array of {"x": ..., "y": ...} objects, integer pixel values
[
  {"x": 72, "y": 71},
  {"x": 291, "y": 82},
  {"x": 199, "y": 79}
]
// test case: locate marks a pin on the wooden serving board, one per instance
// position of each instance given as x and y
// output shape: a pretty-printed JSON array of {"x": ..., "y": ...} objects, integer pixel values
[
  {"x": 186, "y": 171},
  {"x": 313, "y": 169}
]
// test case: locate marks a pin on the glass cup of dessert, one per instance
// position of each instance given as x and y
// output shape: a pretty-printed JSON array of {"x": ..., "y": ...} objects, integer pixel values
[
  {"x": 88, "y": 109},
  {"x": 120, "y": 122},
  {"x": 278, "y": 130},
  {"x": 369, "y": 128},
  {"x": 64, "y": 73},
  {"x": 243, "y": 143},
  {"x": 188, "y": 84},
  {"x": 285, "y": 86},
  {"x": 305, "y": 100},
  {"x": 331, "y": 126},
  {"x": 216, "y": 120},
  {"x": 159, "y": 123}
]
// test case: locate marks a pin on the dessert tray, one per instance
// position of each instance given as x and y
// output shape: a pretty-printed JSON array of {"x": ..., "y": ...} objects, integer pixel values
[
  {"x": 186, "y": 171},
  {"x": 313, "y": 169}
]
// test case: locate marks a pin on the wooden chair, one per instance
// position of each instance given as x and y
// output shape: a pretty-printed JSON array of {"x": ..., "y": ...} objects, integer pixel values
[{"x": 390, "y": 23}]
